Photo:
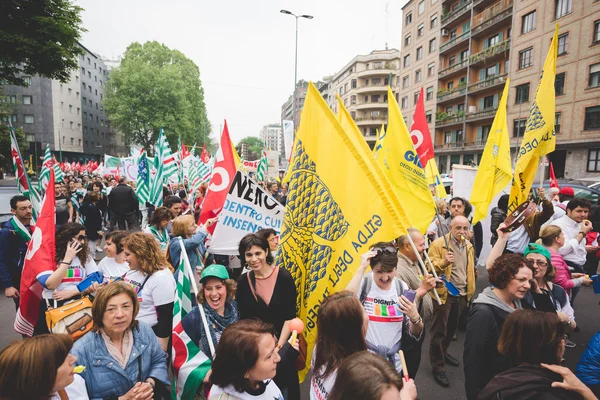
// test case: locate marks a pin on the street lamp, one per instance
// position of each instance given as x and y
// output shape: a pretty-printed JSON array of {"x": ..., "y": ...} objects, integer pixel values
[{"x": 295, "y": 60}]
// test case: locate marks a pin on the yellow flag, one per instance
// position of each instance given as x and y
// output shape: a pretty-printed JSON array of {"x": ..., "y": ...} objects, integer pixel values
[
  {"x": 399, "y": 161},
  {"x": 434, "y": 179},
  {"x": 539, "y": 138},
  {"x": 380, "y": 137},
  {"x": 337, "y": 207},
  {"x": 495, "y": 171}
]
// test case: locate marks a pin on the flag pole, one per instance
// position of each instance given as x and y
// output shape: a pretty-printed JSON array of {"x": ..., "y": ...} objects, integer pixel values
[
  {"x": 437, "y": 215},
  {"x": 424, "y": 270},
  {"x": 542, "y": 171},
  {"x": 189, "y": 273}
]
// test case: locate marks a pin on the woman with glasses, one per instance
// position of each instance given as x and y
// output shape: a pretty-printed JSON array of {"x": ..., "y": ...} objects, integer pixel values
[
  {"x": 73, "y": 265},
  {"x": 390, "y": 306}
]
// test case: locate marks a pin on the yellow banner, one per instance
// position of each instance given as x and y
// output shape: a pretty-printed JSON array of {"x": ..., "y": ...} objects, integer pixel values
[
  {"x": 539, "y": 138},
  {"x": 338, "y": 206},
  {"x": 434, "y": 179},
  {"x": 495, "y": 171}
]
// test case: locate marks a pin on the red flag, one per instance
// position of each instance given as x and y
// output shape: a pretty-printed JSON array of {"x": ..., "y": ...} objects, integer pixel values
[
  {"x": 118, "y": 173},
  {"x": 185, "y": 153},
  {"x": 553, "y": 181},
  {"x": 39, "y": 258},
  {"x": 204, "y": 156},
  {"x": 419, "y": 133},
  {"x": 223, "y": 174}
]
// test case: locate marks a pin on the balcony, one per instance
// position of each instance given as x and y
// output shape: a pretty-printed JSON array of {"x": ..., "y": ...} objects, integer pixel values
[
  {"x": 385, "y": 68},
  {"x": 372, "y": 88},
  {"x": 454, "y": 68},
  {"x": 486, "y": 113},
  {"x": 444, "y": 119},
  {"x": 488, "y": 83},
  {"x": 491, "y": 16},
  {"x": 366, "y": 105},
  {"x": 459, "y": 11},
  {"x": 490, "y": 52},
  {"x": 368, "y": 121},
  {"x": 447, "y": 95},
  {"x": 454, "y": 42},
  {"x": 459, "y": 145}
]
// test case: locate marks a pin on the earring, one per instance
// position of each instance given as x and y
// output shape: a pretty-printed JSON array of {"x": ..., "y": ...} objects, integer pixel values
[{"x": 246, "y": 375}]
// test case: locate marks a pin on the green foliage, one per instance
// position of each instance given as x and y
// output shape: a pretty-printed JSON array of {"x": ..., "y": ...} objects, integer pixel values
[
  {"x": 5, "y": 151},
  {"x": 39, "y": 38},
  {"x": 156, "y": 87},
  {"x": 254, "y": 149}
]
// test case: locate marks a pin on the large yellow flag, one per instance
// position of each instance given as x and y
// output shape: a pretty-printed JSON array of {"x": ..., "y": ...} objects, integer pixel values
[
  {"x": 495, "y": 169},
  {"x": 399, "y": 161},
  {"x": 337, "y": 207},
  {"x": 434, "y": 179},
  {"x": 539, "y": 137}
]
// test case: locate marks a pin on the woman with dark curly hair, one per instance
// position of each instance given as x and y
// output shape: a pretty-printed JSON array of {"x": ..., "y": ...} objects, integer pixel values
[
  {"x": 510, "y": 277},
  {"x": 161, "y": 217},
  {"x": 73, "y": 265},
  {"x": 151, "y": 279}
]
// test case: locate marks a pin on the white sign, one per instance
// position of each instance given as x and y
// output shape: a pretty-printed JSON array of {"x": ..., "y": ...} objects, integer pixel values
[
  {"x": 288, "y": 137},
  {"x": 247, "y": 209}
]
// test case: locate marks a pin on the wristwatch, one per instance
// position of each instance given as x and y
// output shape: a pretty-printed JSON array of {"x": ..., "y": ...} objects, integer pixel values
[{"x": 151, "y": 384}]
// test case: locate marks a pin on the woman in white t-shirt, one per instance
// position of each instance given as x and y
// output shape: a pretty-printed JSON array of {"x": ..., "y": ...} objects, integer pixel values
[
  {"x": 40, "y": 368},
  {"x": 74, "y": 264},
  {"x": 385, "y": 300},
  {"x": 342, "y": 325},
  {"x": 113, "y": 266},
  {"x": 152, "y": 280}
]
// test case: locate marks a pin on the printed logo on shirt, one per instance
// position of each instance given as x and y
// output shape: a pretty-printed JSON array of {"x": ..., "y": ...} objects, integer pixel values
[
  {"x": 319, "y": 389},
  {"x": 135, "y": 286},
  {"x": 381, "y": 310},
  {"x": 75, "y": 274}
]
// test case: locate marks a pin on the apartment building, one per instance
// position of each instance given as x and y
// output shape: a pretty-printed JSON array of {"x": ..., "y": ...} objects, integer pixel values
[
  {"x": 270, "y": 135},
  {"x": 362, "y": 86}
]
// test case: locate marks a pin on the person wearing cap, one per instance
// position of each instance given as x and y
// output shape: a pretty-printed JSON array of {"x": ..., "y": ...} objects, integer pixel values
[
  {"x": 565, "y": 194},
  {"x": 216, "y": 295}
]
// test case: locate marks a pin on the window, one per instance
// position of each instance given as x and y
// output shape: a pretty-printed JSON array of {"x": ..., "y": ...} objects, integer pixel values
[
  {"x": 84, "y": 101},
  {"x": 27, "y": 80},
  {"x": 77, "y": 95},
  {"x": 594, "y": 80},
  {"x": 416, "y": 98},
  {"x": 563, "y": 44},
  {"x": 596, "y": 32},
  {"x": 28, "y": 118},
  {"x": 561, "y": 8},
  {"x": 429, "y": 93},
  {"x": 593, "y": 160},
  {"x": 406, "y": 61},
  {"x": 89, "y": 61},
  {"x": 431, "y": 69},
  {"x": 404, "y": 102},
  {"x": 488, "y": 102},
  {"x": 428, "y": 116},
  {"x": 433, "y": 22},
  {"x": 452, "y": 60},
  {"x": 592, "y": 118},
  {"x": 519, "y": 127},
  {"x": 405, "y": 82},
  {"x": 419, "y": 53},
  {"x": 431, "y": 46},
  {"x": 27, "y": 99},
  {"x": 72, "y": 140},
  {"x": 447, "y": 137},
  {"x": 78, "y": 110},
  {"x": 84, "y": 115},
  {"x": 557, "y": 118},
  {"x": 89, "y": 75},
  {"x": 353, "y": 84},
  {"x": 70, "y": 91},
  {"x": 418, "y": 76},
  {"x": 528, "y": 22},
  {"x": 13, "y": 119},
  {"x": 559, "y": 84},
  {"x": 420, "y": 30},
  {"x": 408, "y": 19},
  {"x": 525, "y": 57},
  {"x": 407, "y": 40},
  {"x": 90, "y": 88},
  {"x": 70, "y": 109},
  {"x": 90, "y": 103},
  {"x": 522, "y": 93}
]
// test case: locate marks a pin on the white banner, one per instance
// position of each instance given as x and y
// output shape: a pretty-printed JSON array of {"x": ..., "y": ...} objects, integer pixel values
[
  {"x": 251, "y": 165},
  {"x": 288, "y": 137},
  {"x": 247, "y": 209}
]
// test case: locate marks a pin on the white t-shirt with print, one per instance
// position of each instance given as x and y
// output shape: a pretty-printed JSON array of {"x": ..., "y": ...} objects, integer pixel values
[
  {"x": 111, "y": 269},
  {"x": 75, "y": 391},
  {"x": 75, "y": 274},
  {"x": 320, "y": 388},
  {"x": 271, "y": 392},
  {"x": 158, "y": 290}
]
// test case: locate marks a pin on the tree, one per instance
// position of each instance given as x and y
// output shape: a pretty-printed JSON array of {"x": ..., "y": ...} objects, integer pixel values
[
  {"x": 5, "y": 149},
  {"x": 254, "y": 147},
  {"x": 39, "y": 38},
  {"x": 156, "y": 87}
]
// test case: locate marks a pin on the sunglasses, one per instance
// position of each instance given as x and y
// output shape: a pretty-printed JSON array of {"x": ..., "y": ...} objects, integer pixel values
[
  {"x": 81, "y": 238},
  {"x": 389, "y": 250}
]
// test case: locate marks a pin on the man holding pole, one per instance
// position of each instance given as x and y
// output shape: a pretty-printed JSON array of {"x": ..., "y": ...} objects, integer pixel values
[{"x": 454, "y": 257}]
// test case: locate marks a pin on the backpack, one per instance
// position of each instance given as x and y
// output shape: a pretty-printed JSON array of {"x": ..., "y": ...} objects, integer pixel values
[{"x": 367, "y": 282}]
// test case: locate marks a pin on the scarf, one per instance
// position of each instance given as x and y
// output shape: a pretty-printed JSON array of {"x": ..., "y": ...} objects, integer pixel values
[
  {"x": 163, "y": 237},
  {"x": 216, "y": 324},
  {"x": 114, "y": 352},
  {"x": 22, "y": 230}
]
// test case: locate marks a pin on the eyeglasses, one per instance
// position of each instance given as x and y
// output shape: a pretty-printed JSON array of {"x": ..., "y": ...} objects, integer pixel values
[
  {"x": 274, "y": 239},
  {"x": 389, "y": 250},
  {"x": 540, "y": 263},
  {"x": 81, "y": 238}
]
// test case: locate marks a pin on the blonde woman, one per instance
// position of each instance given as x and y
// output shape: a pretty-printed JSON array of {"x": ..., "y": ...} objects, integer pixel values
[
  {"x": 153, "y": 282},
  {"x": 193, "y": 237}
]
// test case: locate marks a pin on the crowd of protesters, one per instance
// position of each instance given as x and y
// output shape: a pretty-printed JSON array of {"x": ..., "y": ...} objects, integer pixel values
[{"x": 369, "y": 337}]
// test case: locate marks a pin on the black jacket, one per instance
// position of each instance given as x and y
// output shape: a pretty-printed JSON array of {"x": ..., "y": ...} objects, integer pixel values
[
  {"x": 498, "y": 217},
  {"x": 122, "y": 200},
  {"x": 481, "y": 358},
  {"x": 12, "y": 256},
  {"x": 526, "y": 382}
]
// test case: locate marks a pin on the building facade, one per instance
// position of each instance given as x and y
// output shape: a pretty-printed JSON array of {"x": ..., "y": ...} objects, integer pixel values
[
  {"x": 271, "y": 135},
  {"x": 484, "y": 42},
  {"x": 362, "y": 85},
  {"x": 67, "y": 116}
]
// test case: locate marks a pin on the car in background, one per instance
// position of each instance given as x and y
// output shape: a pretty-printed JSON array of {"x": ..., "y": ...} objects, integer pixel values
[
  {"x": 581, "y": 189},
  {"x": 6, "y": 194}
]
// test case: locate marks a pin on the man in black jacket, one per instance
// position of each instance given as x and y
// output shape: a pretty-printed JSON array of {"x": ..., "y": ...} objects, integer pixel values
[{"x": 124, "y": 207}]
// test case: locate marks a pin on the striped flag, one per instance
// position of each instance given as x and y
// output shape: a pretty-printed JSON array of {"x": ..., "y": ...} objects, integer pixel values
[
  {"x": 23, "y": 184},
  {"x": 190, "y": 364},
  {"x": 45, "y": 172},
  {"x": 169, "y": 161},
  {"x": 179, "y": 158},
  {"x": 142, "y": 183},
  {"x": 261, "y": 169},
  {"x": 156, "y": 190}
]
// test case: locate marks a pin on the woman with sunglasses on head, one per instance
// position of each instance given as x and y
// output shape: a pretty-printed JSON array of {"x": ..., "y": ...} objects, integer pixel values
[
  {"x": 393, "y": 314},
  {"x": 73, "y": 264}
]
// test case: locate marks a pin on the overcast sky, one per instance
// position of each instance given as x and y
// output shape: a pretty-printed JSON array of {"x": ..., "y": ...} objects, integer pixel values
[{"x": 245, "y": 49}]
